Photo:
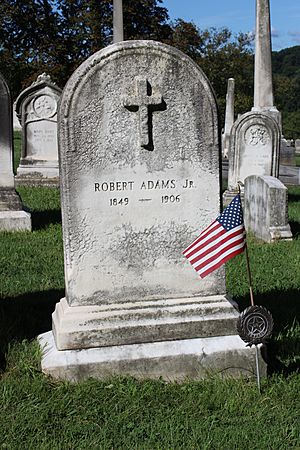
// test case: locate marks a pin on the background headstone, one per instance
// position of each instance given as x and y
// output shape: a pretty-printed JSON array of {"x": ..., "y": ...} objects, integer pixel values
[
  {"x": 140, "y": 177},
  {"x": 229, "y": 117},
  {"x": 265, "y": 212},
  {"x": 287, "y": 153},
  {"x": 254, "y": 149},
  {"x": 12, "y": 217},
  {"x": 297, "y": 145},
  {"x": 36, "y": 108},
  {"x": 16, "y": 122}
]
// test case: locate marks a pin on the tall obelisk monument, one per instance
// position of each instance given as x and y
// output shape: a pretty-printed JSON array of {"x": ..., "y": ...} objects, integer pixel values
[
  {"x": 263, "y": 80},
  {"x": 118, "y": 31}
]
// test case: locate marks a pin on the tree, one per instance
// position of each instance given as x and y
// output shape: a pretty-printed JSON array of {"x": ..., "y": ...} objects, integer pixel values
[
  {"x": 28, "y": 31},
  {"x": 221, "y": 56}
]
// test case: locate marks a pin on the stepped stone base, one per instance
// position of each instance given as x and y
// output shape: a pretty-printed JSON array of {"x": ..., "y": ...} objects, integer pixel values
[
  {"x": 178, "y": 360},
  {"x": 15, "y": 221},
  {"x": 10, "y": 200},
  {"x": 38, "y": 174},
  {"x": 77, "y": 327}
]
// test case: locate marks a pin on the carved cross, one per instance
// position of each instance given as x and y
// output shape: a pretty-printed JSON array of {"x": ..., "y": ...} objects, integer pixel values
[{"x": 145, "y": 103}]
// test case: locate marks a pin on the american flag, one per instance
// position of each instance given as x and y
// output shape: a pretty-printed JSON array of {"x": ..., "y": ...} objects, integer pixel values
[{"x": 222, "y": 240}]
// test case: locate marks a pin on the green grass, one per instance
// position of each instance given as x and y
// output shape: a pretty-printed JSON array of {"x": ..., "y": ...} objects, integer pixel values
[
  {"x": 127, "y": 414},
  {"x": 40, "y": 413},
  {"x": 298, "y": 160}
]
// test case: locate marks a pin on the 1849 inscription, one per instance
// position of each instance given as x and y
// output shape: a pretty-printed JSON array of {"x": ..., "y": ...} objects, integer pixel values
[{"x": 145, "y": 185}]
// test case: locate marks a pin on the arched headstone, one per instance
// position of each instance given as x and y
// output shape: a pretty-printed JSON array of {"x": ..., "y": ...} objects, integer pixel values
[
  {"x": 140, "y": 178},
  {"x": 36, "y": 108}
]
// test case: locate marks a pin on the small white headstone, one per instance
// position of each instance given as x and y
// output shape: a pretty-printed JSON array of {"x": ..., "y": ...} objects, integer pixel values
[
  {"x": 254, "y": 148},
  {"x": 36, "y": 107},
  {"x": 265, "y": 212}
]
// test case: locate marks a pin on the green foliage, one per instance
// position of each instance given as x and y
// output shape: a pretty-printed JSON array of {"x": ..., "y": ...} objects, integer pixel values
[
  {"x": 68, "y": 32},
  {"x": 286, "y": 68}
]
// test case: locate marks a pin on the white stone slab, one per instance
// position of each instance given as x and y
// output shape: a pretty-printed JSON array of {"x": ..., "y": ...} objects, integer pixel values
[
  {"x": 265, "y": 211},
  {"x": 15, "y": 221},
  {"x": 178, "y": 360}
]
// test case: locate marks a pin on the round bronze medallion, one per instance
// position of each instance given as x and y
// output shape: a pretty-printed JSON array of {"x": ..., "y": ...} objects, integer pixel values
[{"x": 255, "y": 325}]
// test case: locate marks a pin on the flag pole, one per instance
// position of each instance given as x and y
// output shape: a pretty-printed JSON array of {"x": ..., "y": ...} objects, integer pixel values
[
  {"x": 249, "y": 274},
  {"x": 252, "y": 304},
  {"x": 247, "y": 261}
]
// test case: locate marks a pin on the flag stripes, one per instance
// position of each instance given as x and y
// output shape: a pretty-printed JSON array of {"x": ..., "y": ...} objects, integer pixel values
[{"x": 220, "y": 241}]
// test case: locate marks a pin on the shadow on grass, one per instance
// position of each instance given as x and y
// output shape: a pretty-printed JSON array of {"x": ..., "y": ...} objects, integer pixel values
[
  {"x": 25, "y": 317},
  {"x": 293, "y": 197},
  {"x": 285, "y": 309},
  {"x": 295, "y": 229},
  {"x": 41, "y": 219}
]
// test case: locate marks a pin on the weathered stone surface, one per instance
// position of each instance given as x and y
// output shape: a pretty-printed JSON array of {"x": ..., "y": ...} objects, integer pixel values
[
  {"x": 254, "y": 148},
  {"x": 118, "y": 29},
  {"x": 289, "y": 175},
  {"x": 6, "y": 148},
  {"x": 297, "y": 145},
  {"x": 178, "y": 360},
  {"x": 36, "y": 108},
  {"x": 140, "y": 157},
  {"x": 287, "y": 153},
  {"x": 266, "y": 212},
  {"x": 12, "y": 217},
  {"x": 229, "y": 117},
  {"x": 9, "y": 200},
  {"x": 16, "y": 122},
  {"x": 15, "y": 221},
  {"x": 91, "y": 326},
  {"x": 263, "y": 83}
]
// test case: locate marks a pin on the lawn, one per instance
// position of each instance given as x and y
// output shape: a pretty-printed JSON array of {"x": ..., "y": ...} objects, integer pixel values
[{"x": 39, "y": 413}]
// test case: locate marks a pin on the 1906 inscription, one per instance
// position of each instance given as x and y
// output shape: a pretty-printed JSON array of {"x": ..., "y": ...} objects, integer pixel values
[{"x": 145, "y": 187}]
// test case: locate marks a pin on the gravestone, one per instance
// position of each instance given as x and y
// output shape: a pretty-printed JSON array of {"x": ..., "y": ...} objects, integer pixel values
[
  {"x": 229, "y": 117},
  {"x": 254, "y": 149},
  {"x": 297, "y": 146},
  {"x": 36, "y": 108},
  {"x": 12, "y": 217},
  {"x": 287, "y": 153},
  {"x": 140, "y": 177},
  {"x": 16, "y": 122},
  {"x": 266, "y": 212}
]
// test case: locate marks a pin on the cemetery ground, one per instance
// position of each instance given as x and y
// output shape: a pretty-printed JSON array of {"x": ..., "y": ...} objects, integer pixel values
[{"x": 40, "y": 413}]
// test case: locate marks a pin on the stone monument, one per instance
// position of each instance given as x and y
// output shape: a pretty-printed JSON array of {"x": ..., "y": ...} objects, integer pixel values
[
  {"x": 36, "y": 108},
  {"x": 255, "y": 136},
  {"x": 254, "y": 149},
  {"x": 118, "y": 29},
  {"x": 266, "y": 213},
  {"x": 263, "y": 79},
  {"x": 140, "y": 176},
  {"x": 287, "y": 153},
  {"x": 12, "y": 216},
  {"x": 229, "y": 117}
]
